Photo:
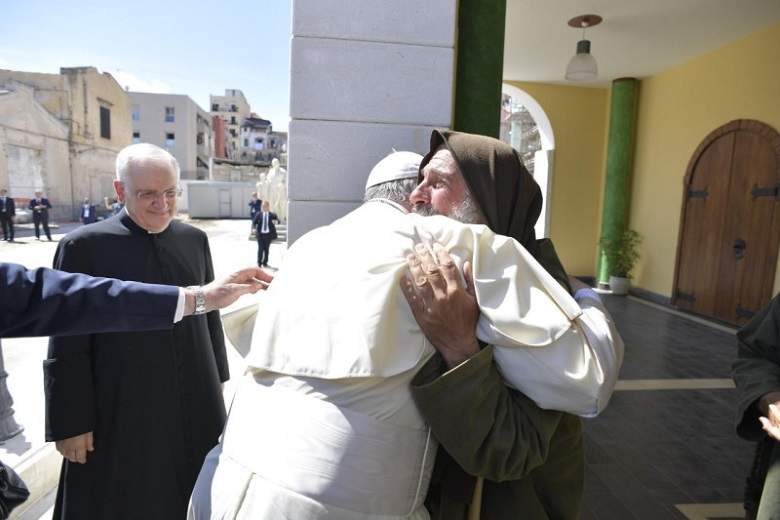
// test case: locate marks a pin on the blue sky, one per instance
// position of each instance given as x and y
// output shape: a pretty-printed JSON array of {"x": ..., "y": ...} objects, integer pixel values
[{"x": 182, "y": 47}]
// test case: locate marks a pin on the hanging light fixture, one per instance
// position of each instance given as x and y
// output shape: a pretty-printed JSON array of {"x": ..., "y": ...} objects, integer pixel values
[{"x": 583, "y": 65}]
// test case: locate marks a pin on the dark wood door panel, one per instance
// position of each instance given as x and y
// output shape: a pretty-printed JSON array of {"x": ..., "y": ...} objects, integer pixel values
[
  {"x": 730, "y": 228},
  {"x": 703, "y": 226}
]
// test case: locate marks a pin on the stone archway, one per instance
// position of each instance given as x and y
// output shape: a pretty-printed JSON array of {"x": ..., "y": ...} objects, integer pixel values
[{"x": 522, "y": 114}]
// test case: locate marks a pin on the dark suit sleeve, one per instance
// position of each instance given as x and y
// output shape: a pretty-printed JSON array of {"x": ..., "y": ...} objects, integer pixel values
[
  {"x": 45, "y": 302},
  {"x": 12, "y": 206},
  {"x": 756, "y": 371},
  {"x": 488, "y": 429},
  {"x": 215, "y": 323}
]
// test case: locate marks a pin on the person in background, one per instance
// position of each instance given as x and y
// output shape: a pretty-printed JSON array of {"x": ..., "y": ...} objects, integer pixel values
[
  {"x": 7, "y": 212},
  {"x": 254, "y": 209},
  {"x": 265, "y": 228},
  {"x": 40, "y": 207},
  {"x": 88, "y": 212}
]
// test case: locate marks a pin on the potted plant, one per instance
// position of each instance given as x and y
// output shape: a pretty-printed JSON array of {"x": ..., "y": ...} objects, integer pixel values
[{"x": 622, "y": 252}]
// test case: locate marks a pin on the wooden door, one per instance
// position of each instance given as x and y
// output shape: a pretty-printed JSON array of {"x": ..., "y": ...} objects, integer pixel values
[{"x": 729, "y": 234}]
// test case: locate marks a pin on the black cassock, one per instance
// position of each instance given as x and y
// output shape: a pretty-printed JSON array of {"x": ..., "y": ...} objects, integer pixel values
[{"x": 152, "y": 399}]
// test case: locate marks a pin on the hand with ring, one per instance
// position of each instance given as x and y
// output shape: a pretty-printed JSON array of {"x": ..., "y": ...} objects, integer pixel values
[{"x": 443, "y": 305}]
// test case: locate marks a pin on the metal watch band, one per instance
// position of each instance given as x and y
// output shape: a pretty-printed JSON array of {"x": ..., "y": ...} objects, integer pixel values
[{"x": 200, "y": 300}]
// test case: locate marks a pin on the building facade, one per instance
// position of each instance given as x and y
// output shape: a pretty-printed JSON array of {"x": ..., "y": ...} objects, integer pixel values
[
  {"x": 175, "y": 122},
  {"x": 60, "y": 134},
  {"x": 232, "y": 108},
  {"x": 259, "y": 143}
]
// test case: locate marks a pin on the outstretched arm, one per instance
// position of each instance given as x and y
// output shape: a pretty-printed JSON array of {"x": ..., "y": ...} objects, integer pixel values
[{"x": 47, "y": 302}]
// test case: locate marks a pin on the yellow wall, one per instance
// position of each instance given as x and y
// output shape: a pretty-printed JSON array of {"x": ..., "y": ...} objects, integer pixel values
[
  {"x": 677, "y": 109},
  {"x": 578, "y": 116}
]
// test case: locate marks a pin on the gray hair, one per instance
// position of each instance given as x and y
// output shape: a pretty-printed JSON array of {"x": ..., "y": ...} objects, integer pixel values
[
  {"x": 398, "y": 191},
  {"x": 141, "y": 152}
]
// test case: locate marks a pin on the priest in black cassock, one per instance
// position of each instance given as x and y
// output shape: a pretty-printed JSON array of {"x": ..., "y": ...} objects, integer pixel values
[{"x": 135, "y": 413}]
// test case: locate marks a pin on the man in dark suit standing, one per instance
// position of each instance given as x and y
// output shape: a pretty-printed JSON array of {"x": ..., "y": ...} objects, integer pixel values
[
  {"x": 7, "y": 212},
  {"x": 40, "y": 207},
  {"x": 88, "y": 212},
  {"x": 265, "y": 225}
]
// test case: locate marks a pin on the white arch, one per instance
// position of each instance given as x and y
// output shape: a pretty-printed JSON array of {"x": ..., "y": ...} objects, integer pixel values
[
  {"x": 536, "y": 111},
  {"x": 543, "y": 159}
]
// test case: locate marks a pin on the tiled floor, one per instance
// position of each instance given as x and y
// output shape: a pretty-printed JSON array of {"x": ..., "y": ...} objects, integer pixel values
[{"x": 652, "y": 450}]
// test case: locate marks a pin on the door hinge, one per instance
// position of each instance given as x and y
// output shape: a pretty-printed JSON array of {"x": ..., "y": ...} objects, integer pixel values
[
  {"x": 744, "y": 313},
  {"x": 698, "y": 194},
  {"x": 764, "y": 192},
  {"x": 690, "y": 298}
]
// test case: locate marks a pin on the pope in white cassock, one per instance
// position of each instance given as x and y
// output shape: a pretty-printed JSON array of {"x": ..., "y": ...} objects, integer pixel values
[{"x": 323, "y": 425}]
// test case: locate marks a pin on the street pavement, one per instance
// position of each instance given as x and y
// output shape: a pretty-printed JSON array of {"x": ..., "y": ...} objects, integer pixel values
[{"x": 231, "y": 249}]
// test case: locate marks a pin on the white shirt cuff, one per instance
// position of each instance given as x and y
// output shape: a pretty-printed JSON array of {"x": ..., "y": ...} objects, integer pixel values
[{"x": 179, "y": 307}]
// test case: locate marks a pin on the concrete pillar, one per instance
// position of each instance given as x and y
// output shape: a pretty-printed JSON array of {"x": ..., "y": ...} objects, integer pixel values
[
  {"x": 367, "y": 76},
  {"x": 620, "y": 154},
  {"x": 480, "y": 66}
]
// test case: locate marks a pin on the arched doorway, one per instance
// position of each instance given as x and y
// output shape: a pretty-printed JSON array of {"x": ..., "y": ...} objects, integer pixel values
[
  {"x": 526, "y": 127},
  {"x": 730, "y": 226}
]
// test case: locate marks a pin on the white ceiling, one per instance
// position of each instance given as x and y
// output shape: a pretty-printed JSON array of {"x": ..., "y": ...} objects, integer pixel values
[{"x": 638, "y": 38}]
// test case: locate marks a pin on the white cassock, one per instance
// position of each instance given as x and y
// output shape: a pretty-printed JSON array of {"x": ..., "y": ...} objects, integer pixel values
[{"x": 323, "y": 425}]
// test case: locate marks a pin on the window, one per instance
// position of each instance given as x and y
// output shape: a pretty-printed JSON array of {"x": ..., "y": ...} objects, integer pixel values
[
  {"x": 246, "y": 142},
  {"x": 232, "y": 132},
  {"x": 215, "y": 107},
  {"x": 136, "y": 137},
  {"x": 199, "y": 139},
  {"x": 170, "y": 115},
  {"x": 233, "y": 108},
  {"x": 105, "y": 122},
  {"x": 232, "y": 120},
  {"x": 170, "y": 140},
  {"x": 259, "y": 143},
  {"x": 136, "y": 113}
]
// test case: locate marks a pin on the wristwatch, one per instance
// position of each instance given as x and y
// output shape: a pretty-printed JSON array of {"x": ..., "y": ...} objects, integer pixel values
[{"x": 200, "y": 299}]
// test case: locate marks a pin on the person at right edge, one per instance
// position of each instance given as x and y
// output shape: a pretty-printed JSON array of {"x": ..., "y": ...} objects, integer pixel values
[
  {"x": 756, "y": 372},
  {"x": 490, "y": 464}
]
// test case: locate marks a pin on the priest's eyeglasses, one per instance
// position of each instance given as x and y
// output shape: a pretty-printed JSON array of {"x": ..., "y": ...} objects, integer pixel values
[{"x": 151, "y": 195}]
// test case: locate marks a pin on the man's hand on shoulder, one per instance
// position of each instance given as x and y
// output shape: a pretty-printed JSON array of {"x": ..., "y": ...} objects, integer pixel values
[
  {"x": 769, "y": 406},
  {"x": 445, "y": 308},
  {"x": 75, "y": 448},
  {"x": 221, "y": 293}
]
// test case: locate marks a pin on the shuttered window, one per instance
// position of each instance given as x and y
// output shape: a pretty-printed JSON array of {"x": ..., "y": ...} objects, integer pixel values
[{"x": 105, "y": 123}]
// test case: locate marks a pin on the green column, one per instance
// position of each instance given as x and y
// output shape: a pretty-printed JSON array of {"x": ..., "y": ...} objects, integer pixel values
[
  {"x": 480, "y": 66},
  {"x": 620, "y": 152}
]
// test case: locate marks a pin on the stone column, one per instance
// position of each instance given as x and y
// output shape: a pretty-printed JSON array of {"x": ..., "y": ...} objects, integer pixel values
[
  {"x": 367, "y": 76},
  {"x": 480, "y": 66},
  {"x": 620, "y": 155}
]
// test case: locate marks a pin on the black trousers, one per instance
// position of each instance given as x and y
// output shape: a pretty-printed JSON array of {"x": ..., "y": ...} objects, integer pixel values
[
  {"x": 263, "y": 245},
  {"x": 41, "y": 218},
  {"x": 8, "y": 228}
]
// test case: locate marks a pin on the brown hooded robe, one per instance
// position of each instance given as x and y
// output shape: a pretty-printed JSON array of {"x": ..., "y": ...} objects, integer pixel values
[{"x": 531, "y": 459}]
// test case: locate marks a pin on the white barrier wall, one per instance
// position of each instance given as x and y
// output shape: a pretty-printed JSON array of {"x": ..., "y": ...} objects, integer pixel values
[{"x": 367, "y": 76}]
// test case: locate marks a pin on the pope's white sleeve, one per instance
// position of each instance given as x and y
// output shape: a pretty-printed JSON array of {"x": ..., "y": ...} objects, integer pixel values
[{"x": 562, "y": 354}]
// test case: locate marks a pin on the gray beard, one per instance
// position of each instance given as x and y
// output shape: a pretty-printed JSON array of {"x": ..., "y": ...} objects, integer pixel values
[{"x": 466, "y": 212}]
